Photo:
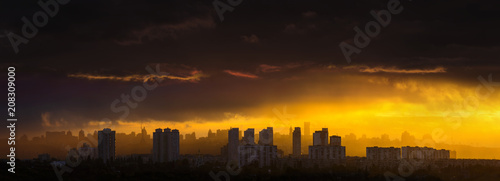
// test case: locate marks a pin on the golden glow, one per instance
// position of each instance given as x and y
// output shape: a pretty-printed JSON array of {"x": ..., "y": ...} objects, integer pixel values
[{"x": 363, "y": 105}]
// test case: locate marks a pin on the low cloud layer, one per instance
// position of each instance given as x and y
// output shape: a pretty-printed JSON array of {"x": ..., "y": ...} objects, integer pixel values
[
  {"x": 396, "y": 70},
  {"x": 241, "y": 74}
]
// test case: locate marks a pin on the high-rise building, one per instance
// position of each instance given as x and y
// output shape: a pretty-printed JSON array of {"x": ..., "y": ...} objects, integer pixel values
[
  {"x": 317, "y": 138},
  {"x": 307, "y": 128},
  {"x": 144, "y": 135},
  {"x": 106, "y": 146},
  {"x": 320, "y": 137},
  {"x": 321, "y": 150},
  {"x": 324, "y": 136},
  {"x": 335, "y": 140},
  {"x": 232, "y": 144},
  {"x": 248, "y": 152},
  {"x": 173, "y": 148},
  {"x": 157, "y": 146},
  {"x": 165, "y": 145},
  {"x": 296, "y": 142},
  {"x": 248, "y": 137},
  {"x": 266, "y": 136}
]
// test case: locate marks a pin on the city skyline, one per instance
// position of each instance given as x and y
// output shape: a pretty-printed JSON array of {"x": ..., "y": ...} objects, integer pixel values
[
  {"x": 406, "y": 139},
  {"x": 250, "y": 90}
]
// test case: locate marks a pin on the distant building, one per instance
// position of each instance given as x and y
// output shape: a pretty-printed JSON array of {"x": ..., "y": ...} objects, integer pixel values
[
  {"x": 425, "y": 153},
  {"x": 453, "y": 154},
  {"x": 307, "y": 128},
  {"x": 81, "y": 135},
  {"x": 266, "y": 136},
  {"x": 381, "y": 153},
  {"x": 144, "y": 135},
  {"x": 221, "y": 134},
  {"x": 210, "y": 134},
  {"x": 106, "y": 146},
  {"x": 58, "y": 138},
  {"x": 165, "y": 145},
  {"x": 190, "y": 137},
  {"x": 296, "y": 141},
  {"x": 232, "y": 145}
]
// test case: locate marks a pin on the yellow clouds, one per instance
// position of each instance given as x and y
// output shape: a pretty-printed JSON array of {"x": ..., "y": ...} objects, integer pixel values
[
  {"x": 194, "y": 77},
  {"x": 133, "y": 78},
  {"x": 367, "y": 69},
  {"x": 241, "y": 74}
]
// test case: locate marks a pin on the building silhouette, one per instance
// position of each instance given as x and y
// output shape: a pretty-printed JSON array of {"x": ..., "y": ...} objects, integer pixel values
[
  {"x": 249, "y": 137},
  {"x": 320, "y": 138},
  {"x": 335, "y": 140},
  {"x": 232, "y": 145},
  {"x": 211, "y": 134},
  {"x": 264, "y": 153},
  {"x": 296, "y": 141},
  {"x": 425, "y": 153},
  {"x": 81, "y": 135},
  {"x": 144, "y": 135},
  {"x": 421, "y": 153},
  {"x": 321, "y": 150},
  {"x": 382, "y": 153},
  {"x": 106, "y": 146},
  {"x": 165, "y": 145},
  {"x": 266, "y": 136}
]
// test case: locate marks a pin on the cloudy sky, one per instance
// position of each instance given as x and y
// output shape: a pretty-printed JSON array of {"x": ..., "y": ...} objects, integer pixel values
[{"x": 268, "y": 63}]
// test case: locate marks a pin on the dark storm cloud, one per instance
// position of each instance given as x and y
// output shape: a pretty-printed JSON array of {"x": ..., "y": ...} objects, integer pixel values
[{"x": 265, "y": 40}]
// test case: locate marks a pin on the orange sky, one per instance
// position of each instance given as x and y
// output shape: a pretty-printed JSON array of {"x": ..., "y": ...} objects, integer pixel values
[{"x": 370, "y": 104}]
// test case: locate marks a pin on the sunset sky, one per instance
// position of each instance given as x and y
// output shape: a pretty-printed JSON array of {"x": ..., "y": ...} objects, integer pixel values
[{"x": 433, "y": 70}]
